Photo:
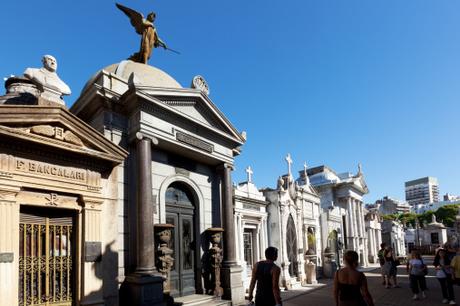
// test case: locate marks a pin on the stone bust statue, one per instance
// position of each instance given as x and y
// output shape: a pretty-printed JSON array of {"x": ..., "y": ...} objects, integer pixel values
[{"x": 46, "y": 77}]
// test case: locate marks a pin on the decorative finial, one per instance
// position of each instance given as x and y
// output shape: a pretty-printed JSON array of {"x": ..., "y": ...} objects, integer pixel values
[
  {"x": 249, "y": 173},
  {"x": 305, "y": 168},
  {"x": 200, "y": 83},
  {"x": 289, "y": 162},
  {"x": 360, "y": 169}
]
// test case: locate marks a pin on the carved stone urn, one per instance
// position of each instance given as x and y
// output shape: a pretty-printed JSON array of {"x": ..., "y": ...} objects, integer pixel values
[
  {"x": 164, "y": 254},
  {"x": 215, "y": 257}
]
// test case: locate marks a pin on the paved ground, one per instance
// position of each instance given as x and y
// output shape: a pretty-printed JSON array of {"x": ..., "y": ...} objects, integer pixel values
[{"x": 381, "y": 296}]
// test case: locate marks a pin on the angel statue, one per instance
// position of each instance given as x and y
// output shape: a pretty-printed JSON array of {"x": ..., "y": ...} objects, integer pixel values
[{"x": 148, "y": 31}]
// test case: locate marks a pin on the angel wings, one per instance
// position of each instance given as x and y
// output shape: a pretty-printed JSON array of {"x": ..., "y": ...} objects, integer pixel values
[{"x": 145, "y": 28}]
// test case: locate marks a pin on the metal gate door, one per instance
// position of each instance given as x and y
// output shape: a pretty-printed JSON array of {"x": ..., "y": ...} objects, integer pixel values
[
  {"x": 45, "y": 260},
  {"x": 291, "y": 244}
]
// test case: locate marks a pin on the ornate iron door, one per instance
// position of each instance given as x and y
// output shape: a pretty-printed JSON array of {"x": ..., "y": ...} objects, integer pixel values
[
  {"x": 45, "y": 260},
  {"x": 291, "y": 245},
  {"x": 248, "y": 249},
  {"x": 180, "y": 212}
]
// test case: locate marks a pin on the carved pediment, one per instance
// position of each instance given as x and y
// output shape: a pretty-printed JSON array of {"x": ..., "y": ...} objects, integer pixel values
[
  {"x": 55, "y": 132},
  {"x": 56, "y": 127},
  {"x": 195, "y": 109},
  {"x": 199, "y": 107}
]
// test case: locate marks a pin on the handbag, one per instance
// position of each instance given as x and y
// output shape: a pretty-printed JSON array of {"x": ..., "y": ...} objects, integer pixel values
[
  {"x": 425, "y": 268},
  {"x": 441, "y": 274}
]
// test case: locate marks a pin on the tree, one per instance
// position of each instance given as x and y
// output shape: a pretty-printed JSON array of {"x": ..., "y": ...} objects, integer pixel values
[
  {"x": 408, "y": 218},
  {"x": 447, "y": 214}
]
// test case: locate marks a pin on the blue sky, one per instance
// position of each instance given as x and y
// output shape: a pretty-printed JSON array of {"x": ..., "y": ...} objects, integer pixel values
[{"x": 332, "y": 82}]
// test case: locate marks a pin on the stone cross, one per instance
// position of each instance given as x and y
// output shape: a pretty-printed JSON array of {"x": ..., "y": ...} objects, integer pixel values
[
  {"x": 249, "y": 172},
  {"x": 289, "y": 161},
  {"x": 305, "y": 168}
]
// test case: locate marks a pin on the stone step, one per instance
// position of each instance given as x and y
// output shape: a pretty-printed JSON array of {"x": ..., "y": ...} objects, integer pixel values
[
  {"x": 200, "y": 300},
  {"x": 296, "y": 285}
]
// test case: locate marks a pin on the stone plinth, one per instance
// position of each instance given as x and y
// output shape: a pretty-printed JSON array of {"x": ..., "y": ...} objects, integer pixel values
[{"x": 143, "y": 290}]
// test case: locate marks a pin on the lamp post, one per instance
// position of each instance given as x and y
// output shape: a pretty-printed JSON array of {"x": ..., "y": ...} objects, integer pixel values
[{"x": 417, "y": 227}]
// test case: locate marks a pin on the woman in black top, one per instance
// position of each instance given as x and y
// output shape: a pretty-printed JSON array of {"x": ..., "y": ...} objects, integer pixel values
[
  {"x": 350, "y": 285},
  {"x": 390, "y": 267},
  {"x": 267, "y": 275}
]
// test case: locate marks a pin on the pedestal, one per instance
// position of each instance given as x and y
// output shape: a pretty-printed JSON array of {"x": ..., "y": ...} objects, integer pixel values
[
  {"x": 310, "y": 268},
  {"x": 143, "y": 290},
  {"x": 232, "y": 283}
]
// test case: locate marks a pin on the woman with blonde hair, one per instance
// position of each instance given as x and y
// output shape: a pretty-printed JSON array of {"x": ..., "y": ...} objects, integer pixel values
[{"x": 350, "y": 285}]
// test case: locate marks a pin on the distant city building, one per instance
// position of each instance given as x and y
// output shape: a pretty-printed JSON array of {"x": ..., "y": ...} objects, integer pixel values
[
  {"x": 450, "y": 197},
  {"x": 388, "y": 206},
  {"x": 421, "y": 208},
  {"x": 422, "y": 191}
]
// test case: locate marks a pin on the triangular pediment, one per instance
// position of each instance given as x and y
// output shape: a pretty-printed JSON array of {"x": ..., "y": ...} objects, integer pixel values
[
  {"x": 198, "y": 107},
  {"x": 56, "y": 127}
]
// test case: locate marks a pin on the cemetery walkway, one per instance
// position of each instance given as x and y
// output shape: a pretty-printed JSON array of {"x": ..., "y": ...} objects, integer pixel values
[{"x": 381, "y": 295}]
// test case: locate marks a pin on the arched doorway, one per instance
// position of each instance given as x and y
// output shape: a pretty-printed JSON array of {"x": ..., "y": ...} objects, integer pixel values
[
  {"x": 291, "y": 247},
  {"x": 181, "y": 212}
]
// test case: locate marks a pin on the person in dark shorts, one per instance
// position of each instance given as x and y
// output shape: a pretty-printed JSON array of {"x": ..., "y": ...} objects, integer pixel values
[
  {"x": 350, "y": 285},
  {"x": 267, "y": 275}
]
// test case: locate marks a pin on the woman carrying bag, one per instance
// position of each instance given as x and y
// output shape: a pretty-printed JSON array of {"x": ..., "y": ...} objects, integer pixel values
[{"x": 444, "y": 274}]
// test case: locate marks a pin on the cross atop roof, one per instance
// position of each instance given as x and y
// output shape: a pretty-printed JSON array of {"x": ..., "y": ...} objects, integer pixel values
[
  {"x": 289, "y": 162},
  {"x": 249, "y": 173},
  {"x": 305, "y": 168}
]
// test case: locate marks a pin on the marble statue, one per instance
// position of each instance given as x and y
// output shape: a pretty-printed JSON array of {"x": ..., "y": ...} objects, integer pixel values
[
  {"x": 146, "y": 28},
  {"x": 47, "y": 79}
]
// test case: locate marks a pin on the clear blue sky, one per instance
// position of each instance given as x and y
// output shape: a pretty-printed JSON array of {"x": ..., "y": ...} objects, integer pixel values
[{"x": 330, "y": 81}]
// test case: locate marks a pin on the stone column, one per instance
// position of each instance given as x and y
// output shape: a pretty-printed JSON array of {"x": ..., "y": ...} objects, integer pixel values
[
  {"x": 145, "y": 241},
  {"x": 144, "y": 287},
  {"x": 264, "y": 239},
  {"x": 350, "y": 229},
  {"x": 9, "y": 246},
  {"x": 231, "y": 272}
]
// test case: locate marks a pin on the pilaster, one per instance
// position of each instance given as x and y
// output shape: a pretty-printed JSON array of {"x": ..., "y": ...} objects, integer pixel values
[
  {"x": 91, "y": 245},
  {"x": 9, "y": 246}
]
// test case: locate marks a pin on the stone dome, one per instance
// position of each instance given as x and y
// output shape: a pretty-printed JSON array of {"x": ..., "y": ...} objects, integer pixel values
[{"x": 146, "y": 75}]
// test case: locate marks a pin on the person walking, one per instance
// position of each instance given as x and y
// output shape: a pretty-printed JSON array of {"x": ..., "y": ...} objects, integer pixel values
[
  {"x": 417, "y": 269},
  {"x": 382, "y": 261},
  {"x": 444, "y": 276},
  {"x": 267, "y": 275},
  {"x": 350, "y": 285},
  {"x": 390, "y": 268}
]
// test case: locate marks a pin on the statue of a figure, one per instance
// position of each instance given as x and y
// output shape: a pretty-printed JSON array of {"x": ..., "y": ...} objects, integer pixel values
[
  {"x": 148, "y": 31},
  {"x": 46, "y": 77},
  {"x": 280, "y": 183}
]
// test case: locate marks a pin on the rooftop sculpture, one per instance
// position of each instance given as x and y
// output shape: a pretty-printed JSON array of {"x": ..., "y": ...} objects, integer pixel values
[
  {"x": 145, "y": 28},
  {"x": 48, "y": 82}
]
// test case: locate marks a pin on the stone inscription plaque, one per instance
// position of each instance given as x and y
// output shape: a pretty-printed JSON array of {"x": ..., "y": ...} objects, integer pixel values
[
  {"x": 93, "y": 251},
  {"x": 194, "y": 142},
  {"x": 30, "y": 166},
  {"x": 11, "y": 165},
  {"x": 251, "y": 206},
  {"x": 6, "y": 257}
]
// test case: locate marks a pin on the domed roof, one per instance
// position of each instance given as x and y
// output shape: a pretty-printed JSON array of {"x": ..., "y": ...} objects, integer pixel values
[{"x": 145, "y": 75}]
